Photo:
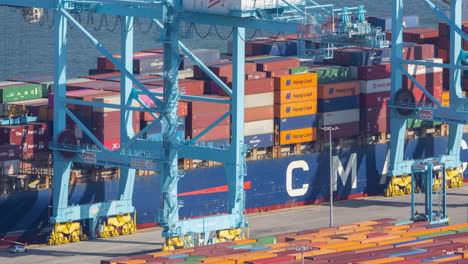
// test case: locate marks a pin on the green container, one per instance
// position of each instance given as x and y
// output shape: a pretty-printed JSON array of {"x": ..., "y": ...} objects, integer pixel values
[
  {"x": 401, "y": 222},
  {"x": 21, "y": 92},
  {"x": 190, "y": 262},
  {"x": 332, "y": 74},
  {"x": 438, "y": 234},
  {"x": 261, "y": 58},
  {"x": 266, "y": 240},
  {"x": 413, "y": 123},
  {"x": 461, "y": 230},
  {"x": 193, "y": 258},
  {"x": 297, "y": 70}
]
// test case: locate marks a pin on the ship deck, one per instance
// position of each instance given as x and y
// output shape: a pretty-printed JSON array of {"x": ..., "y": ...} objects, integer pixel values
[{"x": 280, "y": 221}]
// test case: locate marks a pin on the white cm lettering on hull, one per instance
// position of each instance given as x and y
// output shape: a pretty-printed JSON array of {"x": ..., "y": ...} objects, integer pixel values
[{"x": 338, "y": 171}]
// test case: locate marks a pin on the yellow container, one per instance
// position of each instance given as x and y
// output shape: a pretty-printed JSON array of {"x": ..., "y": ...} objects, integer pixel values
[
  {"x": 296, "y": 109},
  {"x": 366, "y": 223},
  {"x": 381, "y": 238},
  {"x": 298, "y": 136},
  {"x": 296, "y": 81},
  {"x": 317, "y": 252},
  {"x": 245, "y": 241},
  {"x": 446, "y": 98},
  {"x": 339, "y": 244}
]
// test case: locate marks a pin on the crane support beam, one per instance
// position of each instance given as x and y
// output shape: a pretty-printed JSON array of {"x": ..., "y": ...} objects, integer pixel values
[{"x": 95, "y": 210}]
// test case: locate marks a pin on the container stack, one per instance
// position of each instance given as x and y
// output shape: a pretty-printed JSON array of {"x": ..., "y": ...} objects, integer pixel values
[
  {"x": 201, "y": 115},
  {"x": 379, "y": 241},
  {"x": 295, "y": 108},
  {"x": 9, "y": 160},
  {"x": 375, "y": 94},
  {"x": 32, "y": 138}
]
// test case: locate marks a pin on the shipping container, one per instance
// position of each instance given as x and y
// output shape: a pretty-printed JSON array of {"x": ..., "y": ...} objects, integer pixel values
[
  {"x": 218, "y": 132},
  {"x": 205, "y": 120},
  {"x": 259, "y": 113},
  {"x": 297, "y": 122},
  {"x": 414, "y": 69},
  {"x": 259, "y": 141},
  {"x": 10, "y": 167},
  {"x": 376, "y": 86},
  {"x": 20, "y": 91},
  {"x": 258, "y": 127},
  {"x": 374, "y": 99},
  {"x": 331, "y": 74},
  {"x": 297, "y": 136},
  {"x": 295, "y": 95},
  {"x": 9, "y": 152},
  {"x": 338, "y": 103},
  {"x": 199, "y": 107},
  {"x": 206, "y": 56},
  {"x": 339, "y": 117},
  {"x": 385, "y": 21},
  {"x": 18, "y": 134},
  {"x": 259, "y": 100},
  {"x": 339, "y": 89},
  {"x": 295, "y": 109},
  {"x": 296, "y": 81},
  {"x": 343, "y": 130},
  {"x": 272, "y": 64},
  {"x": 371, "y": 72}
]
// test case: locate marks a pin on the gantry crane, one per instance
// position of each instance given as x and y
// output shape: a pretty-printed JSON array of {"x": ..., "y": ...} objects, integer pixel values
[
  {"x": 139, "y": 153},
  {"x": 403, "y": 106}
]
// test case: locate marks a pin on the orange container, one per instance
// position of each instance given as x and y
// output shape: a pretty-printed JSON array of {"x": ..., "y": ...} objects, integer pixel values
[
  {"x": 315, "y": 252},
  {"x": 366, "y": 223},
  {"x": 446, "y": 98},
  {"x": 452, "y": 227},
  {"x": 353, "y": 247},
  {"x": 252, "y": 257},
  {"x": 380, "y": 261},
  {"x": 352, "y": 226},
  {"x": 160, "y": 253},
  {"x": 296, "y": 109},
  {"x": 370, "y": 249},
  {"x": 298, "y": 136},
  {"x": 394, "y": 241},
  {"x": 215, "y": 260},
  {"x": 338, "y": 89},
  {"x": 381, "y": 238},
  {"x": 245, "y": 241},
  {"x": 295, "y": 81},
  {"x": 295, "y": 95},
  {"x": 338, "y": 244}
]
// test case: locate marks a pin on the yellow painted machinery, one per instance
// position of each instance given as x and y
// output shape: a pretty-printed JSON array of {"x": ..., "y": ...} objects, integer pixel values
[
  {"x": 229, "y": 235},
  {"x": 118, "y": 225},
  {"x": 65, "y": 233},
  {"x": 401, "y": 185},
  {"x": 177, "y": 242}
]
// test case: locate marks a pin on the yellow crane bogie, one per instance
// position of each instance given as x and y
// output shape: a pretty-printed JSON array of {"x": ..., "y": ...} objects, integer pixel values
[
  {"x": 173, "y": 243},
  {"x": 63, "y": 233},
  {"x": 229, "y": 235},
  {"x": 118, "y": 225}
]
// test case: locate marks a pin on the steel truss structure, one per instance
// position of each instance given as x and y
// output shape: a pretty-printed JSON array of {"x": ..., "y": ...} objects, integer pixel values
[
  {"x": 403, "y": 105},
  {"x": 136, "y": 152}
]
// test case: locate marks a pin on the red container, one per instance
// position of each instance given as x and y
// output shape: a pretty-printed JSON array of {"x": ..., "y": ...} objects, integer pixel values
[
  {"x": 221, "y": 69},
  {"x": 198, "y": 107},
  {"x": 418, "y": 52},
  {"x": 272, "y": 260},
  {"x": 277, "y": 73},
  {"x": 18, "y": 134},
  {"x": 374, "y": 72},
  {"x": 277, "y": 64},
  {"x": 113, "y": 118},
  {"x": 421, "y": 35},
  {"x": 189, "y": 86},
  {"x": 428, "y": 80},
  {"x": 182, "y": 111},
  {"x": 254, "y": 87},
  {"x": 9, "y": 152},
  {"x": 255, "y": 75},
  {"x": 36, "y": 147},
  {"x": 259, "y": 113},
  {"x": 449, "y": 247},
  {"x": 344, "y": 130},
  {"x": 204, "y": 120},
  {"x": 217, "y": 133},
  {"x": 420, "y": 256},
  {"x": 374, "y": 113},
  {"x": 374, "y": 99},
  {"x": 108, "y": 132},
  {"x": 112, "y": 144}
]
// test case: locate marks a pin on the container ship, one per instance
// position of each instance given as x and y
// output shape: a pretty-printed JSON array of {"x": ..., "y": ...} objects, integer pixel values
[{"x": 287, "y": 101}]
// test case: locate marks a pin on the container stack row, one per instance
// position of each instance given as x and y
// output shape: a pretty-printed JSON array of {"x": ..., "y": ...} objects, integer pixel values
[{"x": 370, "y": 242}]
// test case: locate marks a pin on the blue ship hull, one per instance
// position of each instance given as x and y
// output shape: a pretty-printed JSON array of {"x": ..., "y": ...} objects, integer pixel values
[{"x": 270, "y": 184}]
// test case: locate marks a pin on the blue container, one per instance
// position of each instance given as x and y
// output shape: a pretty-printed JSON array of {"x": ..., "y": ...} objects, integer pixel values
[
  {"x": 220, "y": 143},
  {"x": 259, "y": 141},
  {"x": 338, "y": 104},
  {"x": 177, "y": 256},
  {"x": 259, "y": 248},
  {"x": 296, "y": 122},
  {"x": 407, "y": 252},
  {"x": 411, "y": 242}
]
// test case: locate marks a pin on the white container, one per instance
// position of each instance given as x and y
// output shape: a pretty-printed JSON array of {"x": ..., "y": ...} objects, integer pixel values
[
  {"x": 339, "y": 117},
  {"x": 227, "y": 6},
  {"x": 376, "y": 86},
  {"x": 259, "y": 100},
  {"x": 423, "y": 69},
  {"x": 10, "y": 167},
  {"x": 258, "y": 127}
]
